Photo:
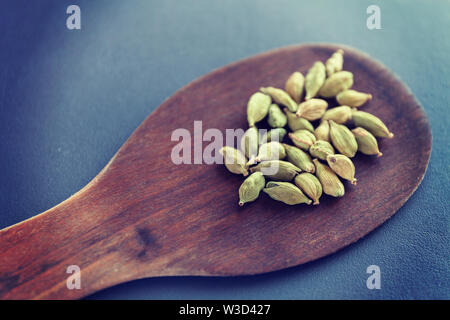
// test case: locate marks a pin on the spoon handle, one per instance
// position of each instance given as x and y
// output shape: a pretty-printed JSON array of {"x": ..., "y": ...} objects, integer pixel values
[
  {"x": 37, "y": 252},
  {"x": 40, "y": 257}
]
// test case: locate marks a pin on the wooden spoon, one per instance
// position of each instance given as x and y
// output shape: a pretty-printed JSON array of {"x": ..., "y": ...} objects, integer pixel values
[{"x": 144, "y": 216}]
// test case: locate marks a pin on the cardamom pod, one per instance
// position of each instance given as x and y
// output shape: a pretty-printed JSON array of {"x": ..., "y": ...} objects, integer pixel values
[
  {"x": 330, "y": 182},
  {"x": 314, "y": 79},
  {"x": 251, "y": 187},
  {"x": 276, "y": 118},
  {"x": 310, "y": 185},
  {"x": 286, "y": 192},
  {"x": 250, "y": 143},
  {"x": 343, "y": 166},
  {"x": 276, "y": 134},
  {"x": 280, "y": 97},
  {"x": 321, "y": 149},
  {"x": 302, "y": 139},
  {"x": 294, "y": 86},
  {"x": 299, "y": 158},
  {"x": 322, "y": 132},
  {"x": 371, "y": 123},
  {"x": 343, "y": 139},
  {"x": 295, "y": 123},
  {"x": 336, "y": 83},
  {"x": 335, "y": 62},
  {"x": 341, "y": 114},
  {"x": 312, "y": 109},
  {"x": 272, "y": 150},
  {"x": 234, "y": 160},
  {"x": 367, "y": 143},
  {"x": 353, "y": 98},
  {"x": 257, "y": 107},
  {"x": 277, "y": 170}
]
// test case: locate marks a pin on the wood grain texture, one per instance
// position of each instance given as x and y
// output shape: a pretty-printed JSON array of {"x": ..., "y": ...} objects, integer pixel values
[{"x": 143, "y": 216}]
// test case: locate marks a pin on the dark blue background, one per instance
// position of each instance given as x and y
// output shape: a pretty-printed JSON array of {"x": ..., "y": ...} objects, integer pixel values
[{"x": 70, "y": 99}]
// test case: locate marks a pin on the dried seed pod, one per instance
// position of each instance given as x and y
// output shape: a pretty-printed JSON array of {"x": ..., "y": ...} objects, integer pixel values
[
  {"x": 321, "y": 149},
  {"x": 276, "y": 134},
  {"x": 294, "y": 86},
  {"x": 343, "y": 139},
  {"x": 330, "y": 182},
  {"x": 280, "y": 97},
  {"x": 353, "y": 98},
  {"x": 276, "y": 118},
  {"x": 371, "y": 123},
  {"x": 322, "y": 132},
  {"x": 251, "y": 187},
  {"x": 343, "y": 166},
  {"x": 286, "y": 192},
  {"x": 310, "y": 185},
  {"x": 336, "y": 83},
  {"x": 314, "y": 79},
  {"x": 299, "y": 158},
  {"x": 341, "y": 114},
  {"x": 277, "y": 170},
  {"x": 367, "y": 143},
  {"x": 257, "y": 107},
  {"x": 234, "y": 160},
  {"x": 302, "y": 139},
  {"x": 312, "y": 109},
  {"x": 250, "y": 143},
  {"x": 335, "y": 62},
  {"x": 271, "y": 151},
  {"x": 295, "y": 123}
]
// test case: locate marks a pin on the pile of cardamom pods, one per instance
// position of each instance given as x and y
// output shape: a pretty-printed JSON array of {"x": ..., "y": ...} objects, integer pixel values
[{"x": 319, "y": 157}]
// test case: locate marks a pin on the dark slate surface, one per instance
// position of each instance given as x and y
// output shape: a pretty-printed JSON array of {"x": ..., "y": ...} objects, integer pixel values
[{"x": 69, "y": 99}]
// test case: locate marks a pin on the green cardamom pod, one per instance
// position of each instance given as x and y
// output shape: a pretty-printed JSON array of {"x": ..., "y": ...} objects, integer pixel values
[
  {"x": 251, "y": 187},
  {"x": 322, "y": 132},
  {"x": 343, "y": 166},
  {"x": 299, "y": 158},
  {"x": 234, "y": 160},
  {"x": 312, "y": 109},
  {"x": 314, "y": 79},
  {"x": 310, "y": 185},
  {"x": 286, "y": 192},
  {"x": 353, "y": 98},
  {"x": 321, "y": 149},
  {"x": 367, "y": 143},
  {"x": 276, "y": 118},
  {"x": 335, "y": 62},
  {"x": 336, "y": 83},
  {"x": 257, "y": 108},
  {"x": 280, "y": 97},
  {"x": 295, "y": 123},
  {"x": 277, "y": 170},
  {"x": 302, "y": 139},
  {"x": 271, "y": 151},
  {"x": 343, "y": 139},
  {"x": 250, "y": 143},
  {"x": 276, "y": 134},
  {"x": 371, "y": 123},
  {"x": 294, "y": 86},
  {"x": 330, "y": 182},
  {"x": 341, "y": 114}
]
